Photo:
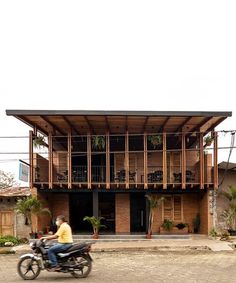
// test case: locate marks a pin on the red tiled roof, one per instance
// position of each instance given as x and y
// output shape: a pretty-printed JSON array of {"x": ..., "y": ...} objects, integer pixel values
[{"x": 15, "y": 192}]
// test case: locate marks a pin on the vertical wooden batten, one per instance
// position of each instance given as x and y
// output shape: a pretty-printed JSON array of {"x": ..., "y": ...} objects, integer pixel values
[
  {"x": 69, "y": 161},
  {"x": 183, "y": 161},
  {"x": 107, "y": 160},
  {"x": 50, "y": 158},
  {"x": 164, "y": 161},
  {"x": 215, "y": 136},
  {"x": 89, "y": 163},
  {"x": 201, "y": 160},
  {"x": 145, "y": 160},
  {"x": 31, "y": 159},
  {"x": 127, "y": 160}
]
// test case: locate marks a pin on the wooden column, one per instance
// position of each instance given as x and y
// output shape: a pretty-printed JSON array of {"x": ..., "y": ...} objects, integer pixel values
[
  {"x": 164, "y": 162},
  {"x": 89, "y": 180},
  {"x": 145, "y": 169},
  {"x": 50, "y": 159},
  {"x": 214, "y": 134},
  {"x": 127, "y": 160},
  {"x": 31, "y": 160},
  {"x": 108, "y": 160},
  {"x": 201, "y": 160},
  {"x": 69, "y": 162},
  {"x": 183, "y": 162}
]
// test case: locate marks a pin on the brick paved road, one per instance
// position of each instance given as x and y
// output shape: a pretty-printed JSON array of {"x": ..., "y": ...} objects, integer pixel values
[{"x": 187, "y": 266}]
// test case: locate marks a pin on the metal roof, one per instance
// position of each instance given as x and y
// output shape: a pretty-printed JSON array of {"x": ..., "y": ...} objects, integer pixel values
[{"x": 223, "y": 165}]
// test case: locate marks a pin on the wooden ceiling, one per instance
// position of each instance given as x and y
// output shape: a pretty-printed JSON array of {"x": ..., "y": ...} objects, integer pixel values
[{"x": 117, "y": 122}]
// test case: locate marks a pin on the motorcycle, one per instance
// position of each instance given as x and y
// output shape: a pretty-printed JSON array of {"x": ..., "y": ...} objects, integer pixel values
[{"x": 76, "y": 260}]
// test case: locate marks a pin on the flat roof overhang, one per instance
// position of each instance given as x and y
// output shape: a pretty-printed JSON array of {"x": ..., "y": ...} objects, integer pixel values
[{"x": 80, "y": 122}]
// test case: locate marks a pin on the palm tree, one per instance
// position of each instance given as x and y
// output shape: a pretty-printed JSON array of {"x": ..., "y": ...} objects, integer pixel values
[
  {"x": 154, "y": 202},
  {"x": 229, "y": 214},
  {"x": 96, "y": 224},
  {"x": 30, "y": 206}
]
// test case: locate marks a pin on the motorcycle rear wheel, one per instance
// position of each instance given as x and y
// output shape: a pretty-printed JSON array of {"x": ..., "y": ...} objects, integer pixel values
[
  {"x": 86, "y": 267},
  {"x": 28, "y": 268}
]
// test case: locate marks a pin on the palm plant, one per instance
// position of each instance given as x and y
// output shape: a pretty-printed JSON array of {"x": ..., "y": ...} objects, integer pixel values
[
  {"x": 38, "y": 141},
  {"x": 30, "y": 206},
  {"x": 155, "y": 140},
  {"x": 154, "y": 202},
  {"x": 98, "y": 142},
  {"x": 96, "y": 224}
]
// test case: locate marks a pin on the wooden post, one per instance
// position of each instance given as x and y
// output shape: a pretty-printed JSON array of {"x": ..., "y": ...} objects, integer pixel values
[
  {"x": 164, "y": 162},
  {"x": 183, "y": 162},
  {"x": 50, "y": 159},
  {"x": 31, "y": 159},
  {"x": 69, "y": 161},
  {"x": 201, "y": 160},
  {"x": 214, "y": 134},
  {"x": 89, "y": 180},
  {"x": 145, "y": 160},
  {"x": 127, "y": 160},
  {"x": 107, "y": 160}
]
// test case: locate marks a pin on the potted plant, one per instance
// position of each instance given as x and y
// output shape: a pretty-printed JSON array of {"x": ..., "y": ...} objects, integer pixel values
[
  {"x": 155, "y": 140},
  {"x": 98, "y": 142},
  {"x": 28, "y": 207},
  {"x": 40, "y": 234},
  {"x": 196, "y": 223},
  {"x": 208, "y": 140},
  {"x": 39, "y": 141},
  {"x": 167, "y": 225},
  {"x": 154, "y": 202},
  {"x": 229, "y": 214},
  {"x": 181, "y": 225},
  {"x": 96, "y": 224}
]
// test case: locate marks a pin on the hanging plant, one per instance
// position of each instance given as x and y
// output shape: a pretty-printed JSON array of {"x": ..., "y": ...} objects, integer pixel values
[
  {"x": 38, "y": 141},
  {"x": 98, "y": 142},
  {"x": 208, "y": 140},
  {"x": 155, "y": 140}
]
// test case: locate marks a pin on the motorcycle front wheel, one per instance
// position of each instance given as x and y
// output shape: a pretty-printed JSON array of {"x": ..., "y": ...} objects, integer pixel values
[
  {"x": 28, "y": 268},
  {"x": 84, "y": 266}
]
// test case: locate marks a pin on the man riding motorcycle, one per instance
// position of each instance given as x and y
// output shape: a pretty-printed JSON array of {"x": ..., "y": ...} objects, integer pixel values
[{"x": 65, "y": 241}]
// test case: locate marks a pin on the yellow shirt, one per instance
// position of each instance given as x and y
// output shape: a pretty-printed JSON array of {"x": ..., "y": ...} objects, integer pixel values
[{"x": 64, "y": 234}]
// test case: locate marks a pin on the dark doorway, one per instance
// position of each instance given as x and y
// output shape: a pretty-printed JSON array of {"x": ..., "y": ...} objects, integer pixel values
[
  {"x": 137, "y": 212},
  {"x": 81, "y": 205},
  {"x": 107, "y": 210}
]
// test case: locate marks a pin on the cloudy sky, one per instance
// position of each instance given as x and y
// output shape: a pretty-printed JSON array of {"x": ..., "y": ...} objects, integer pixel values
[{"x": 133, "y": 55}]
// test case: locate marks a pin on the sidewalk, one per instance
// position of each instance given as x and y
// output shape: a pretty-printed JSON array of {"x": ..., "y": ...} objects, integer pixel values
[{"x": 196, "y": 243}]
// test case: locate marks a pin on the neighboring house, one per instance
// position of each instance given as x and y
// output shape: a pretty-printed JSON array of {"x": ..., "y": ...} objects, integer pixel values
[
  {"x": 103, "y": 163},
  {"x": 227, "y": 177},
  {"x": 12, "y": 223}
]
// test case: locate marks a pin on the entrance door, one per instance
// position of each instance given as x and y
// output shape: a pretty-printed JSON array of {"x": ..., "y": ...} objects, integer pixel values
[
  {"x": 107, "y": 211},
  {"x": 6, "y": 223},
  {"x": 81, "y": 205},
  {"x": 137, "y": 212}
]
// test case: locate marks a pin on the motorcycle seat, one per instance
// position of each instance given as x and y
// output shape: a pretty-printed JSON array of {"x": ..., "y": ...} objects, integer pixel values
[{"x": 75, "y": 247}]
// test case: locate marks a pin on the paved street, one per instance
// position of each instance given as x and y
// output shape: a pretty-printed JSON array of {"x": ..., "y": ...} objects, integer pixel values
[{"x": 184, "y": 266}]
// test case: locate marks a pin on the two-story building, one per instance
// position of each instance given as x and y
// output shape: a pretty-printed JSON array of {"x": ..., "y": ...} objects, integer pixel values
[{"x": 103, "y": 163}]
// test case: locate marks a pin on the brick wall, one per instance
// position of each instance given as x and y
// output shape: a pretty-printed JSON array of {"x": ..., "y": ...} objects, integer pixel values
[
  {"x": 60, "y": 205},
  {"x": 205, "y": 216},
  {"x": 122, "y": 203}
]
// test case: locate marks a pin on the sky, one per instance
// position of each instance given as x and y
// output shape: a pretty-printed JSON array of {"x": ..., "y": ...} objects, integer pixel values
[{"x": 115, "y": 55}]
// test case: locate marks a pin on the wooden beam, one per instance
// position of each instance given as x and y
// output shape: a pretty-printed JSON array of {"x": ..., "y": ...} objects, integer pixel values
[
  {"x": 70, "y": 124},
  {"x": 198, "y": 127},
  {"x": 214, "y": 134},
  {"x": 108, "y": 160},
  {"x": 69, "y": 162},
  {"x": 50, "y": 160},
  {"x": 89, "y": 124},
  {"x": 145, "y": 123},
  {"x": 162, "y": 128},
  {"x": 216, "y": 124},
  {"x": 183, "y": 162},
  {"x": 31, "y": 124},
  {"x": 183, "y": 124},
  {"x": 53, "y": 125},
  {"x": 107, "y": 124},
  {"x": 145, "y": 161},
  {"x": 164, "y": 162},
  {"x": 201, "y": 160},
  {"x": 31, "y": 159},
  {"x": 126, "y": 123},
  {"x": 127, "y": 160},
  {"x": 89, "y": 163}
]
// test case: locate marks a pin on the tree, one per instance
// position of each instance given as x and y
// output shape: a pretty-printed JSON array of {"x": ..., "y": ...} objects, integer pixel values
[
  {"x": 229, "y": 214},
  {"x": 6, "y": 180},
  {"x": 30, "y": 206}
]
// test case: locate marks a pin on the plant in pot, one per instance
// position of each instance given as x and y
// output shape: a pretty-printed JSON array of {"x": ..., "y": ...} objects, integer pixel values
[
  {"x": 28, "y": 207},
  {"x": 229, "y": 214},
  {"x": 196, "y": 223},
  {"x": 154, "y": 202},
  {"x": 208, "y": 140},
  {"x": 98, "y": 142},
  {"x": 167, "y": 225},
  {"x": 96, "y": 224},
  {"x": 39, "y": 141},
  {"x": 181, "y": 226},
  {"x": 155, "y": 140}
]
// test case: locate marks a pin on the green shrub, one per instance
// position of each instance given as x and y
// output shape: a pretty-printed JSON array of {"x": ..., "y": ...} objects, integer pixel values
[{"x": 5, "y": 239}]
